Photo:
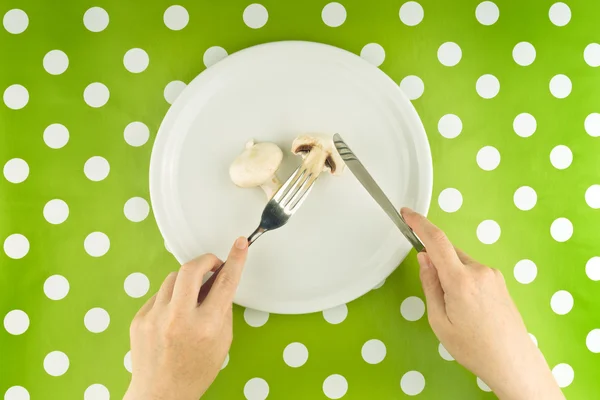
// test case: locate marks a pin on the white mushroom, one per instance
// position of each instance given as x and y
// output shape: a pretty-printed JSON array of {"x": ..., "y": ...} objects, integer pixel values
[
  {"x": 319, "y": 154},
  {"x": 256, "y": 166}
]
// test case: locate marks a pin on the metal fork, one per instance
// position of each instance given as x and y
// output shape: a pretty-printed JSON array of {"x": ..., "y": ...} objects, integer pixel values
[{"x": 277, "y": 212}]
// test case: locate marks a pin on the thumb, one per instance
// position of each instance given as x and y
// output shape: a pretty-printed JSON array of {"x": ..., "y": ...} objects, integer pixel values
[
  {"x": 225, "y": 285},
  {"x": 434, "y": 294}
]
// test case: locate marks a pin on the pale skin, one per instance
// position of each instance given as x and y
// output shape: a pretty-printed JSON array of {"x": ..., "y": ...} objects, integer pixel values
[{"x": 178, "y": 346}]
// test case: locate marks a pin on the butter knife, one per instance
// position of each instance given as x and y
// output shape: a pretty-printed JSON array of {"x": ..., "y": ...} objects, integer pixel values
[{"x": 363, "y": 176}]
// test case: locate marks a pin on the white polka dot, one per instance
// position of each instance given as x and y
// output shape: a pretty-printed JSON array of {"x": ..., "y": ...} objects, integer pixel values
[
  {"x": 412, "y": 86},
  {"x": 488, "y": 232},
  {"x": 96, "y": 392},
  {"x": 95, "y": 19},
  {"x": 560, "y": 86},
  {"x": 411, "y": 13},
  {"x": 487, "y": 13},
  {"x": 16, "y": 246},
  {"x": 213, "y": 55},
  {"x": 524, "y": 54},
  {"x": 16, "y": 322},
  {"x": 450, "y": 126},
  {"x": 15, "y": 21},
  {"x": 333, "y": 14},
  {"x": 136, "y": 60},
  {"x": 561, "y": 302},
  {"x": 373, "y": 351},
  {"x": 56, "y": 211},
  {"x": 561, "y": 229},
  {"x": 534, "y": 339},
  {"x": 295, "y": 354},
  {"x": 592, "y": 341},
  {"x": 173, "y": 90},
  {"x": 449, "y": 54},
  {"x": 56, "y": 363},
  {"x": 336, "y": 315},
  {"x": 56, "y": 136},
  {"x": 412, "y": 383},
  {"x": 256, "y": 389},
  {"x": 335, "y": 386},
  {"x": 96, "y": 320},
  {"x": 16, "y": 97},
  {"x": 379, "y": 285},
  {"x": 444, "y": 353},
  {"x": 136, "y": 285},
  {"x": 55, "y": 62},
  {"x": 560, "y": 14},
  {"x": 16, "y": 393},
  {"x": 561, "y": 157},
  {"x": 487, "y": 86},
  {"x": 412, "y": 308},
  {"x": 255, "y": 16},
  {"x": 373, "y": 53},
  {"x": 255, "y": 318},
  {"x": 96, "y": 168},
  {"x": 525, "y": 271},
  {"x": 136, "y": 209},
  {"x": 450, "y": 200},
  {"x": 16, "y": 170},
  {"x": 127, "y": 361},
  {"x": 56, "y": 287},
  {"x": 592, "y": 124},
  {"x": 591, "y": 54},
  {"x": 96, "y": 94},
  {"x": 488, "y": 158},
  {"x": 592, "y": 268},
  {"x": 524, "y": 125},
  {"x": 136, "y": 134},
  {"x": 525, "y": 198},
  {"x": 563, "y": 374},
  {"x": 225, "y": 362},
  {"x": 482, "y": 385},
  {"x": 176, "y": 18},
  {"x": 592, "y": 196},
  {"x": 96, "y": 244}
]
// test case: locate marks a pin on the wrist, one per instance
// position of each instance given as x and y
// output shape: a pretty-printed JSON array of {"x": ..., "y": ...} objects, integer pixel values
[{"x": 157, "y": 391}]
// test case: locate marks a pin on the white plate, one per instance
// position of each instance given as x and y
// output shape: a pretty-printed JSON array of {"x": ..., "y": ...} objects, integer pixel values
[{"x": 340, "y": 244}]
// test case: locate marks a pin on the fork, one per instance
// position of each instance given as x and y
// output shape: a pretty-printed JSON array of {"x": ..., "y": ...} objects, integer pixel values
[{"x": 277, "y": 212}]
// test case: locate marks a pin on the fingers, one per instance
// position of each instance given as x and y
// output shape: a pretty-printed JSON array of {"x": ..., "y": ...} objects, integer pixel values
[
  {"x": 166, "y": 289},
  {"x": 464, "y": 257},
  {"x": 434, "y": 295},
  {"x": 146, "y": 307},
  {"x": 189, "y": 279},
  {"x": 439, "y": 248},
  {"x": 223, "y": 290}
]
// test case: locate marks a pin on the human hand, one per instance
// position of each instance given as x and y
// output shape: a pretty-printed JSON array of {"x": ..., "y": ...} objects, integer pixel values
[
  {"x": 177, "y": 345},
  {"x": 472, "y": 314}
]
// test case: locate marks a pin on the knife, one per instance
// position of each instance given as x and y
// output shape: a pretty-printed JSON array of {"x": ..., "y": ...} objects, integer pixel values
[{"x": 363, "y": 176}]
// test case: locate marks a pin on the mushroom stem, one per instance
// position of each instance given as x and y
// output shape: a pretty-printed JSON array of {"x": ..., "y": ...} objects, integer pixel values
[{"x": 271, "y": 186}]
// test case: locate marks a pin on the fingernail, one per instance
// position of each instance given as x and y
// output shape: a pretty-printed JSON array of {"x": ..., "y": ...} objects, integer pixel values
[
  {"x": 423, "y": 260},
  {"x": 406, "y": 211},
  {"x": 241, "y": 243}
]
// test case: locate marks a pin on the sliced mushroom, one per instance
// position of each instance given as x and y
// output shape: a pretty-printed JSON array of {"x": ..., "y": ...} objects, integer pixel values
[
  {"x": 256, "y": 166},
  {"x": 319, "y": 153}
]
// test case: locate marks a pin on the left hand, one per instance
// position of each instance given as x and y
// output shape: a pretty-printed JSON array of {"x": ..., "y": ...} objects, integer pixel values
[{"x": 177, "y": 345}]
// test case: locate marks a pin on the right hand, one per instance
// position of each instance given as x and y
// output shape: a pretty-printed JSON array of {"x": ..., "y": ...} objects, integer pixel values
[{"x": 472, "y": 314}]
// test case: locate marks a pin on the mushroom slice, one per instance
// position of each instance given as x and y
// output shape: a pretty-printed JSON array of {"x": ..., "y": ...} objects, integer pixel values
[
  {"x": 319, "y": 153},
  {"x": 256, "y": 166}
]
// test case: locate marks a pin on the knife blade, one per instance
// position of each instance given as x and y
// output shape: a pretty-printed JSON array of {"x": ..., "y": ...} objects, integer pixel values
[{"x": 367, "y": 181}]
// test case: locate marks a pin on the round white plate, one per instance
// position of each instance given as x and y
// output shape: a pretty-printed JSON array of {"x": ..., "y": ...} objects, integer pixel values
[{"x": 340, "y": 244}]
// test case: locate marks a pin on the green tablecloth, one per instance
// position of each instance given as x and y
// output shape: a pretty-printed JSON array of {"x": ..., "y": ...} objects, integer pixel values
[{"x": 509, "y": 95}]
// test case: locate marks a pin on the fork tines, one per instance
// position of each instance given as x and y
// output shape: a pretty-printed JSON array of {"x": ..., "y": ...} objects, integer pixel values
[{"x": 294, "y": 190}]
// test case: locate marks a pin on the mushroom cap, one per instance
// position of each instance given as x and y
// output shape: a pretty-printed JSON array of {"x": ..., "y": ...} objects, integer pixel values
[
  {"x": 303, "y": 144},
  {"x": 256, "y": 165}
]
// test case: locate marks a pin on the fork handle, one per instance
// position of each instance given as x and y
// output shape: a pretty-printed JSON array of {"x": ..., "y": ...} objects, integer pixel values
[{"x": 210, "y": 281}]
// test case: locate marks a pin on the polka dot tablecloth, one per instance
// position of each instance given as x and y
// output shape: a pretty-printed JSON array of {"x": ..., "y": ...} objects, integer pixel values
[{"x": 509, "y": 93}]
